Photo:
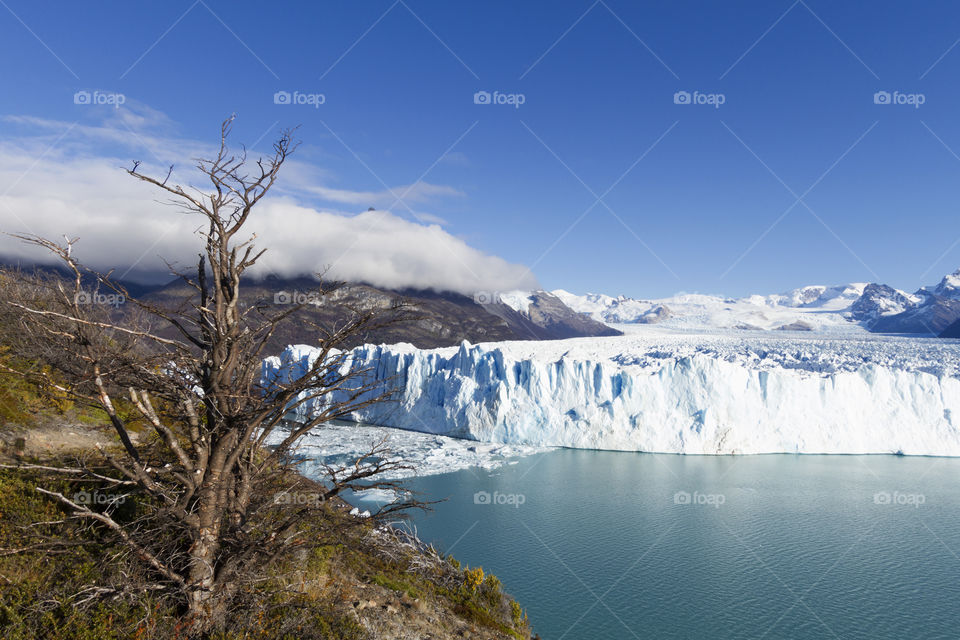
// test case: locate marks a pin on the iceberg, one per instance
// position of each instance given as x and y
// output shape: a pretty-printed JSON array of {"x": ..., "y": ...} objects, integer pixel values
[{"x": 670, "y": 393}]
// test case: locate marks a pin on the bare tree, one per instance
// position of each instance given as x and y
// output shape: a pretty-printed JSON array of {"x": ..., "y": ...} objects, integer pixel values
[{"x": 192, "y": 376}]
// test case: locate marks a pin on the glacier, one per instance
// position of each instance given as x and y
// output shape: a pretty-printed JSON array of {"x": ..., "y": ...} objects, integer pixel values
[{"x": 670, "y": 392}]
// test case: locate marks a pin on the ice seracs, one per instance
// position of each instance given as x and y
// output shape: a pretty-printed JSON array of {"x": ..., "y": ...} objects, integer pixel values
[
  {"x": 694, "y": 374},
  {"x": 659, "y": 391}
]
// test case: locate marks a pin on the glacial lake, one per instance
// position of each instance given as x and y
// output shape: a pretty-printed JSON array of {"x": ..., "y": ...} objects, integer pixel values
[{"x": 599, "y": 545}]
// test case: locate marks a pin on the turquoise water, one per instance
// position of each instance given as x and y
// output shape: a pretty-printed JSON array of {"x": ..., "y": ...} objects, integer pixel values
[{"x": 601, "y": 545}]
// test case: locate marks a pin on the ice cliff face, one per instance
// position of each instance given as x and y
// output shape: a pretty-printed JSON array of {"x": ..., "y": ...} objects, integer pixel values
[{"x": 633, "y": 394}]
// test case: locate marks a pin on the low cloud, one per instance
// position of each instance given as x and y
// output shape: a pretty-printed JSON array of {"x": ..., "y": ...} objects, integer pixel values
[
  {"x": 70, "y": 187},
  {"x": 380, "y": 248}
]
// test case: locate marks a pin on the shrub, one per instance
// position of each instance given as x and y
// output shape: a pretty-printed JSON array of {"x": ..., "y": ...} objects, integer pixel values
[{"x": 473, "y": 578}]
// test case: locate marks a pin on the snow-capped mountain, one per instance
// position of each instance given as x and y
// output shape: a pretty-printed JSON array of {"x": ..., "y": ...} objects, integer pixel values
[
  {"x": 547, "y": 314},
  {"x": 817, "y": 296},
  {"x": 806, "y": 309},
  {"x": 949, "y": 287},
  {"x": 851, "y": 307},
  {"x": 604, "y": 308},
  {"x": 931, "y": 310},
  {"x": 880, "y": 300}
]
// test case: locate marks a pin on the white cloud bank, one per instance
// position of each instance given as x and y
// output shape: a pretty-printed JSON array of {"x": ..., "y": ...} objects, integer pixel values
[{"x": 53, "y": 188}]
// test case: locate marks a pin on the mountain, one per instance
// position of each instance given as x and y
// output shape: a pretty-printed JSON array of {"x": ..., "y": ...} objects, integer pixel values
[
  {"x": 953, "y": 331},
  {"x": 949, "y": 287},
  {"x": 932, "y": 316},
  {"x": 818, "y": 296},
  {"x": 877, "y": 308},
  {"x": 438, "y": 318},
  {"x": 930, "y": 311},
  {"x": 812, "y": 308},
  {"x": 551, "y": 318},
  {"x": 879, "y": 300}
]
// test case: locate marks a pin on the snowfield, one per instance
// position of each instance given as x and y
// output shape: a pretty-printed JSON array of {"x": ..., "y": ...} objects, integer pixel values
[
  {"x": 813, "y": 308},
  {"x": 846, "y": 308},
  {"x": 661, "y": 390}
]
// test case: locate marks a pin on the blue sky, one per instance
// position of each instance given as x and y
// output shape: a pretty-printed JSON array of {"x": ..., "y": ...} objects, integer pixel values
[{"x": 798, "y": 177}]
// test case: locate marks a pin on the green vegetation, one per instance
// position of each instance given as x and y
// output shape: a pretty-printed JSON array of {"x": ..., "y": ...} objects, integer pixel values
[
  {"x": 20, "y": 401},
  {"x": 327, "y": 594},
  {"x": 398, "y": 585},
  {"x": 23, "y": 405},
  {"x": 73, "y": 580}
]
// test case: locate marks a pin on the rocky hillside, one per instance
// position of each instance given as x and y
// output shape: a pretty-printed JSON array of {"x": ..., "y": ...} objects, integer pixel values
[
  {"x": 928, "y": 311},
  {"x": 437, "y": 319},
  {"x": 361, "y": 581}
]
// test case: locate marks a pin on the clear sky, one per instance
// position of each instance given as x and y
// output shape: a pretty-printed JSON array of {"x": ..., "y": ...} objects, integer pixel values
[{"x": 600, "y": 180}]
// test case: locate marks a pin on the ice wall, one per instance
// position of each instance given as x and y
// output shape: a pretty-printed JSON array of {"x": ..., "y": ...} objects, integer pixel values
[{"x": 688, "y": 404}]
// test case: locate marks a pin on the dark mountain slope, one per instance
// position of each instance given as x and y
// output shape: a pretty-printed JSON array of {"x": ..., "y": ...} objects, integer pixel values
[
  {"x": 438, "y": 319},
  {"x": 953, "y": 331}
]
